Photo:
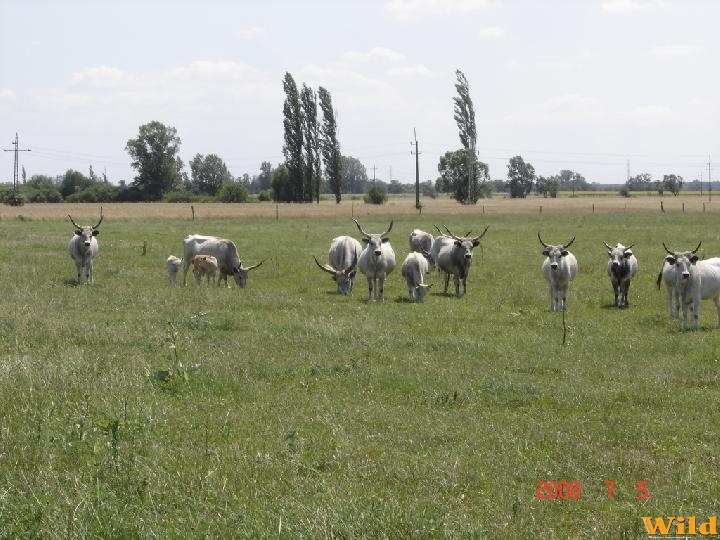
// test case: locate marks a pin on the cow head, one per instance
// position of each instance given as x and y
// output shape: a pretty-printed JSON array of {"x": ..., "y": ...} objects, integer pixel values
[
  {"x": 87, "y": 232},
  {"x": 374, "y": 241},
  {"x": 343, "y": 278},
  {"x": 421, "y": 290},
  {"x": 240, "y": 273},
  {"x": 683, "y": 261},
  {"x": 619, "y": 254},
  {"x": 555, "y": 253},
  {"x": 466, "y": 244}
]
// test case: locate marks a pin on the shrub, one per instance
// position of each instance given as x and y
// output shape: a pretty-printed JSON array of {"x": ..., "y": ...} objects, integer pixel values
[
  {"x": 265, "y": 195},
  {"x": 376, "y": 195},
  {"x": 233, "y": 193}
]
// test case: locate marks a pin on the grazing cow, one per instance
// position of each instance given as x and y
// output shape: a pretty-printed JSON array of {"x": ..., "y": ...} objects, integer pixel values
[
  {"x": 421, "y": 242},
  {"x": 622, "y": 267},
  {"x": 225, "y": 253},
  {"x": 694, "y": 280},
  {"x": 376, "y": 261},
  {"x": 413, "y": 269},
  {"x": 204, "y": 265},
  {"x": 453, "y": 255},
  {"x": 343, "y": 256},
  {"x": 559, "y": 267},
  {"x": 173, "y": 266},
  {"x": 83, "y": 248}
]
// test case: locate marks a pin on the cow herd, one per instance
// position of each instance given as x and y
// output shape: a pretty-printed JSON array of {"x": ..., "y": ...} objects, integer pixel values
[{"x": 688, "y": 280}]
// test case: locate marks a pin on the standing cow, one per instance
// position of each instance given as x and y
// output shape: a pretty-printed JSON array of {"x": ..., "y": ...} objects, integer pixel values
[
  {"x": 173, "y": 266},
  {"x": 413, "y": 269},
  {"x": 376, "y": 261},
  {"x": 453, "y": 255},
  {"x": 343, "y": 256},
  {"x": 622, "y": 267},
  {"x": 225, "y": 253},
  {"x": 692, "y": 281},
  {"x": 421, "y": 242},
  {"x": 83, "y": 248},
  {"x": 559, "y": 267}
]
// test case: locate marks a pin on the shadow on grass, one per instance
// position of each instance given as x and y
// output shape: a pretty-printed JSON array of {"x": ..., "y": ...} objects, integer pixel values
[{"x": 70, "y": 282}]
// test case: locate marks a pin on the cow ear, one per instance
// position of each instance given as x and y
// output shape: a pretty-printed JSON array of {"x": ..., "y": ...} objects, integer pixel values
[
  {"x": 458, "y": 243},
  {"x": 95, "y": 232},
  {"x": 333, "y": 277},
  {"x": 364, "y": 240},
  {"x": 564, "y": 253},
  {"x": 476, "y": 243},
  {"x": 352, "y": 274},
  {"x": 78, "y": 232},
  {"x": 628, "y": 254},
  {"x": 693, "y": 259},
  {"x": 546, "y": 252},
  {"x": 670, "y": 259},
  {"x": 385, "y": 240}
]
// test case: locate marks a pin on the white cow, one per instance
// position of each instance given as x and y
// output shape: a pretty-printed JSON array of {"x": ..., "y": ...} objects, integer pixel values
[
  {"x": 421, "y": 242},
  {"x": 559, "y": 267},
  {"x": 83, "y": 248},
  {"x": 693, "y": 280},
  {"x": 413, "y": 269},
  {"x": 204, "y": 265},
  {"x": 376, "y": 261},
  {"x": 225, "y": 253},
  {"x": 173, "y": 266},
  {"x": 343, "y": 256},
  {"x": 454, "y": 256},
  {"x": 621, "y": 268}
]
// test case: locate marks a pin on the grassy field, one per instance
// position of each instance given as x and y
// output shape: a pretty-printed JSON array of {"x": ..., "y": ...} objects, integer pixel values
[{"x": 129, "y": 409}]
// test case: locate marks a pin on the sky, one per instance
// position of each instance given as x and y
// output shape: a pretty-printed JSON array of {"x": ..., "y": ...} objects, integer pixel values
[{"x": 600, "y": 87}]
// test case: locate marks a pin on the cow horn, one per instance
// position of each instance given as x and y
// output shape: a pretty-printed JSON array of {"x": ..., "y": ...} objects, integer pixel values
[
  {"x": 251, "y": 267},
  {"x": 451, "y": 234},
  {"x": 629, "y": 247},
  {"x": 389, "y": 228},
  {"x": 478, "y": 237},
  {"x": 541, "y": 241},
  {"x": 570, "y": 242},
  {"x": 326, "y": 267},
  {"x": 366, "y": 235},
  {"x": 666, "y": 249},
  {"x": 698, "y": 247},
  {"x": 101, "y": 218},
  {"x": 606, "y": 245},
  {"x": 73, "y": 222}
]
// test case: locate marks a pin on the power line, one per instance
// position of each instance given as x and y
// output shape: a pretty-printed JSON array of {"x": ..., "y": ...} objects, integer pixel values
[
  {"x": 417, "y": 171},
  {"x": 15, "y": 162}
]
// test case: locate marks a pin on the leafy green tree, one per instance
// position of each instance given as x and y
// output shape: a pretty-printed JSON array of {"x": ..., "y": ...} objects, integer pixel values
[
  {"x": 329, "y": 145},
  {"x": 521, "y": 177},
  {"x": 282, "y": 186},
  {"x": 293, "y": 147},
  {"x": 154, "y": 155},
  {"x": 354, "y": 176},
  {"x": 547, "y": 186},
  {"x": 673, "y": 183},
  {"x": 262, "y": 181},
  {"x": 640, "y": 182},
  {"x": 464, "y": 115},
  {"x": 42, "y": 189},
  {"x": 208, "y": 174},
  {"x": 455, "y": 168},
  {"x": 376, "y": 195},
  {"x": 571, "y": 181},
  {"x": 73, "y": 182},
  {"x": 311, "y": 144}
]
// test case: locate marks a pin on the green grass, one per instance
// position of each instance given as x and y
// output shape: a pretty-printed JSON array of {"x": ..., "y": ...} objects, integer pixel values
[{"x": 313, "y": 415}]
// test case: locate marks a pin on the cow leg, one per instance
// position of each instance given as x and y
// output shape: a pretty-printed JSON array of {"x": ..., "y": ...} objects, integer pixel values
[
  {"x": 186, "y": 267},
  {"x": 616, "y": 290},
  {"x": 624, "y": 296},
  {"x": 447, "y": 281},
  {"x": 717, "y": 308},
  {"x": 381, "y": 288},
  {"x": 456, "y": 280},
  {"x": 90, "y": 272},
  {"x": 370, "y": 289}
]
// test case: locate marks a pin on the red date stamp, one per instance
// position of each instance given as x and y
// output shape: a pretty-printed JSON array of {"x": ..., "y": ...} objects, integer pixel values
[{"x": 563, "y": 490}]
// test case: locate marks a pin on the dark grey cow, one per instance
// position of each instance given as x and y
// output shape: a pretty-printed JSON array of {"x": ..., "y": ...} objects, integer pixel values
[
  {"x": 622, "y": 267},
  {"x": 455, "y": 257}
]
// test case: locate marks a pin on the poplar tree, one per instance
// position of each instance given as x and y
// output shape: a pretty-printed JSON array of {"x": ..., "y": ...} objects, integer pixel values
[
  {"x": 311, "y": 138},
  {"x": 293, "y": 147},
  {"x": 329, "y": 145}
]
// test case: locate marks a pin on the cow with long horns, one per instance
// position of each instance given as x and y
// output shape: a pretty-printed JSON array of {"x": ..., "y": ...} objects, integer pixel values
[
  {"x": 83, "y": 248},
  {"x": 621, "y": 268},
  {"x": 453, "y": 256},
  {"x": 692, "y": 281},
  {"x": 342, "y": 266},
  {"x": 224, "y": 251},
  {"x": 377, "y": 261},
  {"x": 559, "y": 268}
]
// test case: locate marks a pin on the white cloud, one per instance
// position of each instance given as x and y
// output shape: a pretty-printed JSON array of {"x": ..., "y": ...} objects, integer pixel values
[
  {"x": 376, "y": 53},
  {"x": 417, "y": 70},
  {"x": 251, "y": 32},
  {"x": 491, "y": 32},
  {"x": 413, "y": 9},
  {"x": 99, "y": 77},
  {"x": 572, "y": 102},
  {"x": 631, "y": 6},
  {"x": 651, "y": 114},
  {"x": 674, "y": 51}
]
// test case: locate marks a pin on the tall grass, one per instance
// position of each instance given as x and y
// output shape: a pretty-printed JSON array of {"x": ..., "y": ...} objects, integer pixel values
[{"x": 129, "y": 409}]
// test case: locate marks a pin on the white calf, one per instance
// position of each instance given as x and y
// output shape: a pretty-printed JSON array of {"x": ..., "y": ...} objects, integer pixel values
[
  {"x": 413, "y": 269},
  {"x": 173, "y": 266},
  {"x": 204, "y": 265}
]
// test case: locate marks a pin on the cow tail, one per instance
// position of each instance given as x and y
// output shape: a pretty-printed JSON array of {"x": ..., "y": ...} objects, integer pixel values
[{"x": 659, "y": 278}]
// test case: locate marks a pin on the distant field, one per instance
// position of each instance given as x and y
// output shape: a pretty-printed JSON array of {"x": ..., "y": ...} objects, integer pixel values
[
  {"x": 312, "y": 415},
  {"x": 396, "y": 206}
]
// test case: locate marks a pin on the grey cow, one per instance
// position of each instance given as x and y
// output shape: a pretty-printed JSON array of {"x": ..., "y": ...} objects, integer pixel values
[
  {"x": 343, "y": 257},
  {"x": 83, "y": 248},
  {"x": 376, "y": 261},
  {"x": 621, "y": 268},
  {"x": 453, "y": 255}
]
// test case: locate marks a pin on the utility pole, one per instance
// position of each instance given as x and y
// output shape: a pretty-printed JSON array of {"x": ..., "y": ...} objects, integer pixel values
[
  {"x": 628, "y": 170},
  {"x": 709, "y": 181},
  {"x": 15, "y": 165},
  {"x": 417, "y": 171},
  {"x": 374, "y": 173}
]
